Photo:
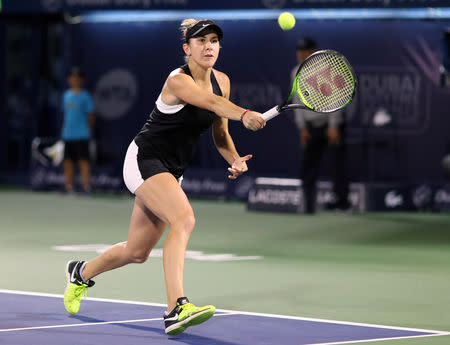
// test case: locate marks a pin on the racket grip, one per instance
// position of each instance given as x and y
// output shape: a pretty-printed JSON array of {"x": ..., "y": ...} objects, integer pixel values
[{"x": 270, "y": 114}]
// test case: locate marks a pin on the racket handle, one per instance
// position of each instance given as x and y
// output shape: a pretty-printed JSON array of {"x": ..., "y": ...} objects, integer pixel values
[{"x": 270, "y": 114}]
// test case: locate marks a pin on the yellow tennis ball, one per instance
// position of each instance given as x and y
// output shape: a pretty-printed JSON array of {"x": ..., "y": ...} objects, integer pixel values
[{"x": 286, "y": 21}]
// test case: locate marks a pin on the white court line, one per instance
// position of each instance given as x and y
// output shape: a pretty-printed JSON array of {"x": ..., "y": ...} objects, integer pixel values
[
  {"x": 88, "y": 324},
  {"x": 378, "y": 339},
  {"x": 78, "y": 325},
  {"x": 235, "y": 312},
  {"x": 339, "y": 322}
]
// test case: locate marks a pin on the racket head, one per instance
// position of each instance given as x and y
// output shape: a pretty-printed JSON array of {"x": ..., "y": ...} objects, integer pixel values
[{"x": 325, "y": 81}]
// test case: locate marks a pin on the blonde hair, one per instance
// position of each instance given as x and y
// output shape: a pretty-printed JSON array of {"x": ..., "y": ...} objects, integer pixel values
[{"x": 186, "y": 25}]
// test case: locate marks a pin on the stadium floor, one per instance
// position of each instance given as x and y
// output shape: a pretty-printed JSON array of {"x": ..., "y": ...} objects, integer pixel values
[{"x": 376, "y": 268}]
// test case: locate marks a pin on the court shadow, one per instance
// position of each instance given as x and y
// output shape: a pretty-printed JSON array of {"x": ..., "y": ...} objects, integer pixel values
[
  {"x": 192, "y": 339},
  {"x": 183, "y": 338},
  {"x": 125, "y": 325}
]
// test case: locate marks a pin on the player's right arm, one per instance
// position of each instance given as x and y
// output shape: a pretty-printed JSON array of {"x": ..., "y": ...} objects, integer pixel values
[{"x": 184, "y": 88}]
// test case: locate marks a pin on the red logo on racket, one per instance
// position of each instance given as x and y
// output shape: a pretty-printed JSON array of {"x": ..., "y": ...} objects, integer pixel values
[{"x": 326, "y": 88}]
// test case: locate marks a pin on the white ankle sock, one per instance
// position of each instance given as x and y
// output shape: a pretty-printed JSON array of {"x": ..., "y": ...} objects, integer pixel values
[{"x": 81, "y": 274}]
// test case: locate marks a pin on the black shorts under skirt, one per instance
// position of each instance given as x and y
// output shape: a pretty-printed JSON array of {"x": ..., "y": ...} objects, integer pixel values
[{"x": 135, "y": 171}]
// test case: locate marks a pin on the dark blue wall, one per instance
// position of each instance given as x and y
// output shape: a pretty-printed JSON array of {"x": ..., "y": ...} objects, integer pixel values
[{"x": 397, "y": 63}]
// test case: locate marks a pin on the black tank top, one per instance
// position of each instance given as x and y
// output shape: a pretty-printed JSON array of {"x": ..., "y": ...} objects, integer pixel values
[{"x": 173, "y": 138}]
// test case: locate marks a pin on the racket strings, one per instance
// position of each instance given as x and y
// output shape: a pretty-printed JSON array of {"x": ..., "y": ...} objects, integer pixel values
[
  {"x": 324, "y": 71},
  {"x": 325, "y": 95},
  {"x": 325, "y": 82}
]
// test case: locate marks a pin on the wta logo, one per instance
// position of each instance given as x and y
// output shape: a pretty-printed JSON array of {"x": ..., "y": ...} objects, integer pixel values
[
  {"x": 323, "y": 81},
  {"x": 115, "y": 93}
]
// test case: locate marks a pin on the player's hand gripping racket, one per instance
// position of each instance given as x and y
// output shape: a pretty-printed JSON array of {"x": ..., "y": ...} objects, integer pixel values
[{"x": 325, "y": 82}]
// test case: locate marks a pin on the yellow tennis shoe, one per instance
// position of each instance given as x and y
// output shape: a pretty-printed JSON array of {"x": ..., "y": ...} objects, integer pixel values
[
  {"x": 186, "y": 314},
  {"x": 76, "y": 287}
]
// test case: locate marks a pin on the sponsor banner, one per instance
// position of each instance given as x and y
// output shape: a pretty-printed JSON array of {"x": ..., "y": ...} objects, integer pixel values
[
  {"x": 421, "y": 197},
  {"x": 198, "y": 183},
  {"x": 214, "y": 183},
  {"x": 46, "y": 171},
  {"x": 285, "y": 195},
  {"x": 103, "y": 178},
  {"x": 262, "y": 194},
  {"x": 356, "y": 195},
  {"x": 276, "y": 195},
  {"x": 383, "y": 197},
  {"x": 67, "y": 5},
  {"x": 441, "y": 198},
  {"x": 205, "y": 183},
  {"x": 392, "y": 98}
]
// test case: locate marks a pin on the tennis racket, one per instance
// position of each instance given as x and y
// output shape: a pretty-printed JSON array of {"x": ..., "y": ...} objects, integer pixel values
[{"x": 325, "y": 82}]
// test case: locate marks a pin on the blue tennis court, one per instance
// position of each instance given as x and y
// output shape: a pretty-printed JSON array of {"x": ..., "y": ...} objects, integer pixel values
[{"x": 32, "y": 318}]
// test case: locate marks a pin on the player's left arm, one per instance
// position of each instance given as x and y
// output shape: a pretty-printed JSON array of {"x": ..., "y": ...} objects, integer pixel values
[{"x": 222, "y": 138}]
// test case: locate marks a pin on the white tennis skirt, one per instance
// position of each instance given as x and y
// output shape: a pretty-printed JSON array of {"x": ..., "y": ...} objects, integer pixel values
[{"x": 136, "y": 172}]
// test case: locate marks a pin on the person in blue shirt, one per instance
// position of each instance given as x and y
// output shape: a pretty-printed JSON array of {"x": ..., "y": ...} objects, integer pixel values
[{"x": 78, "y": 109}]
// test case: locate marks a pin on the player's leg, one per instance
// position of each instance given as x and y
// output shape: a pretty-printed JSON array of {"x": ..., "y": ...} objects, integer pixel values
[
  {"x": 339, "y": 170},
  {"x": 84, "y": 164},
  {"x": 68, "y": 166},
  {"x": 312, "y": 156},
  {"x": 164, "y": 196},
  {"x": 68, "y": 174},
  {"x": 144, "y": 232},
  {"x": 85, "y": 171}
]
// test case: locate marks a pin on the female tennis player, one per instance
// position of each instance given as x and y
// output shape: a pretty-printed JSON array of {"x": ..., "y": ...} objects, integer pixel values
[{"x": 193, "y": 98}]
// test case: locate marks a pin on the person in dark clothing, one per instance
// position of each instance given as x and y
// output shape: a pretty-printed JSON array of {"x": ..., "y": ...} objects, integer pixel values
[{"x": 319, "y": 132}]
